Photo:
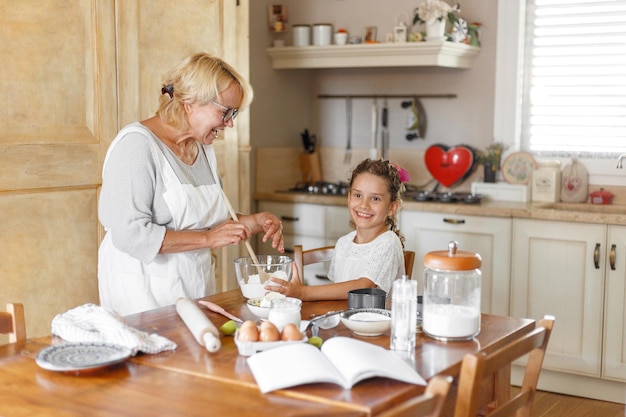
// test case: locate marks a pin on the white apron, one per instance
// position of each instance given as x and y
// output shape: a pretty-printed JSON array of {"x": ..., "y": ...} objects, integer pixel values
[{"x": 126, "y": 284}]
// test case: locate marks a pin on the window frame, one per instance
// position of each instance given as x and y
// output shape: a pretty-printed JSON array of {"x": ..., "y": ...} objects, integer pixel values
[{"x": 508, "y": 93}]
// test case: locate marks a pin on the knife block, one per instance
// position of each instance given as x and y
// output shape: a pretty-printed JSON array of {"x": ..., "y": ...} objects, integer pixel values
[{"x": 311, "y": 168}]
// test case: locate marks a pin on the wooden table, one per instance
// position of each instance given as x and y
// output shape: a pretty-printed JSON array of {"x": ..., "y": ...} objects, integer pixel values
[{"x": 191, "y": 381}]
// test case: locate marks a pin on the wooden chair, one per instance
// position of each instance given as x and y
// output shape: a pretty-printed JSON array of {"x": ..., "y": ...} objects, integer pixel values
[
  {"x": 409, "y": 260},
  {"x": 325, "y": 253},
  {"x": 12, "y": 322},
  {"x": 430, "y": 404},
  {"x": 477, "y": 366}
]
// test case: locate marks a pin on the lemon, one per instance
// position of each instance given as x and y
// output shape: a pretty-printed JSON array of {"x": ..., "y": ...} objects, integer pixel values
[
  {"x": 316, "y": 341},
  {"x": 229, "y": 327}
]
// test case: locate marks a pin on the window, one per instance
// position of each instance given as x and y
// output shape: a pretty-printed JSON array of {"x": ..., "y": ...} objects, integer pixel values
[{"x": 573, "y": 89}]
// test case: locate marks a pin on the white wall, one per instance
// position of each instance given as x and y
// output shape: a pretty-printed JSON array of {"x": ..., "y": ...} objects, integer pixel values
[{"x": 286, "y": 100}]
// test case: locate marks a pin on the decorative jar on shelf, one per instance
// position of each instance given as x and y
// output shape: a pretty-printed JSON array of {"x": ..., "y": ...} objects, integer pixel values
[{"x": 435, "y": 31}]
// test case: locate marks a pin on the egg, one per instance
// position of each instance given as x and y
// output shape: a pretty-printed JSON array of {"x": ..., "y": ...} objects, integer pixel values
[
  {"x": 291, "y": 332},
  {"x": 248, "y": 332},
  {"x": 269, "y": 332}
]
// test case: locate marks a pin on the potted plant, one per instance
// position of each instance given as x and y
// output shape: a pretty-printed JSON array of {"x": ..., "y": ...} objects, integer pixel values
[
  {"x": 490, "y": 159},
  {"x": 434, "y": 13}
]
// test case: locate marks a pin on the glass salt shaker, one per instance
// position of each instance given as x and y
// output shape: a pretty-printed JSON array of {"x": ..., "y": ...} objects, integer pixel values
[
  {"x": 451, "y": 301},
  {"x": 403, "y": 314}
]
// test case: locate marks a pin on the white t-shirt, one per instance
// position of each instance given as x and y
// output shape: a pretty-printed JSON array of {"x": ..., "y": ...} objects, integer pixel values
[{"x": 381, "y": 260}]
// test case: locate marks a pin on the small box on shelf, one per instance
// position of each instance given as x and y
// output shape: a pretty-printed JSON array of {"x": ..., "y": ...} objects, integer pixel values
[{"x": 502, "y": 191}]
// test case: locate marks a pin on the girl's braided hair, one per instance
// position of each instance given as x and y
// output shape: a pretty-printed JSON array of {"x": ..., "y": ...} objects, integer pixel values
[{"x": 387, "y": 171}]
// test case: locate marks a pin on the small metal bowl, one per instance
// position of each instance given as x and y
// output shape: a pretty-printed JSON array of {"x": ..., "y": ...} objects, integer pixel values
[{"x": 366, "y": 298}]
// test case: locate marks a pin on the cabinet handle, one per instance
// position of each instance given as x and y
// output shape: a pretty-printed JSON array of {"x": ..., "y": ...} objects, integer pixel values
[
  {"x": 454, "y": 221},
  {"x": 612, "y": 257},
  {"x": 290, "y": 219},
  {"x": 596, "y": 256}
]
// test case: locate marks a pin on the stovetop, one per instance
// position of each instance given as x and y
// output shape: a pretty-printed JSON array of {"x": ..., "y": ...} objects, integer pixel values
[
  {"x": 321, "y": 188},
  {"x": 446, "y": 197},
  {"x": 412, "y": 193}
]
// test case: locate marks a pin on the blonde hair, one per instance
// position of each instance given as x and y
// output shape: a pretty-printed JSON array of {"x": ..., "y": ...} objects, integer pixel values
[{"x": 198, "y": 79}]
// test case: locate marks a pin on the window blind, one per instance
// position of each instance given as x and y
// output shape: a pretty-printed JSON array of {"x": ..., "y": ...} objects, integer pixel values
[{"x": 574, "y": 86}]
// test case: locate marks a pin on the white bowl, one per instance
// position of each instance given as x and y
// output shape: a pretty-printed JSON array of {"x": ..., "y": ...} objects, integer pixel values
[
  {"x": 254, "y": 304},
  {"x": 367, "y": 321},
  {"x": 252, "y": 277}
]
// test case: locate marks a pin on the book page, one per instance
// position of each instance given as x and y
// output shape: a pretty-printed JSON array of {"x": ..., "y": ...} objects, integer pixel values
[
  {"x": 357, "y": 360},
  {"x": 291, "y": 365}
]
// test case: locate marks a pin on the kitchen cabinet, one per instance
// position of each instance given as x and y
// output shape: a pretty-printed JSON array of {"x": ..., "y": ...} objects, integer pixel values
[
  {"x": 309, "y": 225},
  {"x": 553, "y": 272},
  {"x": 566, "y": 269},
  {"x": 614, "y": 352},
  {"x": 407, "y": 54},
  {"x": 488, "y": 236}
]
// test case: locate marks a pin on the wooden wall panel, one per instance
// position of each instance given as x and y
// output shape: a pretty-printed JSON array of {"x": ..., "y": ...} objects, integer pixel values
[
  {"x": 58, "y": 80},
  {"x": 49, "y": 253},
  {"x": 73, "y": 72}
]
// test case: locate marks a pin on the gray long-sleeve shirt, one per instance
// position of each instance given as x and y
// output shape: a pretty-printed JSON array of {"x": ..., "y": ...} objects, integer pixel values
[{"x": 131, "y": 205}]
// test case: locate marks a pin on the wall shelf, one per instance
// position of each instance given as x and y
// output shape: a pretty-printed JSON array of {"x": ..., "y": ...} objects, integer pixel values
[{"x": 409, "y": 54}]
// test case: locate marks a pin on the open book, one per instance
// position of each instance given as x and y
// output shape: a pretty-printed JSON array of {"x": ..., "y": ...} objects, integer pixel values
[{"x": 341, "y": 360}]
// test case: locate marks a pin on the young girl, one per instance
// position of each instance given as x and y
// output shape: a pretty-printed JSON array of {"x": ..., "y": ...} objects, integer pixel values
[{"x": 372, "y": 254}]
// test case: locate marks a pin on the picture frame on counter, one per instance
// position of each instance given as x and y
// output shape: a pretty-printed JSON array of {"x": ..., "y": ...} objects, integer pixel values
[{"x": 370, "y": 34}]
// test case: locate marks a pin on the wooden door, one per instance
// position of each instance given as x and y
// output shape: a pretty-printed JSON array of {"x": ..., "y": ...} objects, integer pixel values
[
  {"x": 155, "y": 35},
  {"x": 58, "y": 86},
  {"x": 73, "y": 72}
]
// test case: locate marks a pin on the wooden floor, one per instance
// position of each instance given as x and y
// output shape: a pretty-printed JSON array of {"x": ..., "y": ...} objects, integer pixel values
[{"x": 548, "y": 404}]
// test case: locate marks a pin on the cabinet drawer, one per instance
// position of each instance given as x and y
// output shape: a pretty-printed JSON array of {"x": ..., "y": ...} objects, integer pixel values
[
  {"x": 298, "y": 219},
  {"x": 337, "y": 222}
]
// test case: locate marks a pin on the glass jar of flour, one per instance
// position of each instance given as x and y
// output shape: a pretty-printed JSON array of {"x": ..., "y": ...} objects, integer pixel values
[{"x": 451, "y": 300}]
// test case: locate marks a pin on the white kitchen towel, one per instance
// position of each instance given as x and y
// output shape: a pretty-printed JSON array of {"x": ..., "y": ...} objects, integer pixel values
[{"x": 92, "y": 323}]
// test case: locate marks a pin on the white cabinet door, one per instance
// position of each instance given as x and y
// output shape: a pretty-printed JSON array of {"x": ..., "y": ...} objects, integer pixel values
[
  {"x": 488, "y": 236},
  {"x": 557, "y": 268},
  {"x": 614, "y": 363}
]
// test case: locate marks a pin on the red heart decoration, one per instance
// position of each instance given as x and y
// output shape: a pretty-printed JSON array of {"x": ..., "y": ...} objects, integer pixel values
[{"x": 449, "y": 166}]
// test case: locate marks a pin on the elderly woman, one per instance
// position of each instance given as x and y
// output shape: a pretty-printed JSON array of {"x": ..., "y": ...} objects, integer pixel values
[{"x": 161, "y": 202}]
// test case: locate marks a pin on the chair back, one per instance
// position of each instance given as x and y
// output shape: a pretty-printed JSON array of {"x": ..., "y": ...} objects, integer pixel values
[
  {"x": 325, "y": 253},
  {"x": 476, "y": 367},
  {"x": 429, "y": 404},
  {"x": 409, "y": 260},
  {"x": 12, "y": 322}
]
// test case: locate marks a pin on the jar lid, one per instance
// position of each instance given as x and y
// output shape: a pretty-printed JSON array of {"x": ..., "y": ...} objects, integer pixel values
[{"x": 452, "y": 259}]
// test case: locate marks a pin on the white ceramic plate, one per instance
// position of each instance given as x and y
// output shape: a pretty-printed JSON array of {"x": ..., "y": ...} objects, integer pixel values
[
  {"x": 518, "y": 167},
  {"x": 81, "y": 356},
  {"x": 367, "y": 321}
]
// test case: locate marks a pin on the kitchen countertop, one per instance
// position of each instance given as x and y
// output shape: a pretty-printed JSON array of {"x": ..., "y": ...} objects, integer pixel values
[{"x": 569, "y": 212}]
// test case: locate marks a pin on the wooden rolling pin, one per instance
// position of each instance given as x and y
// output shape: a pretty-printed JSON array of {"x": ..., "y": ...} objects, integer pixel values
[{"x": 199, "y": 324}]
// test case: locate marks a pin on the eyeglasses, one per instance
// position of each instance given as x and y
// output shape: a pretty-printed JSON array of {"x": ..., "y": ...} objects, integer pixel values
[{"x": 229, "y": 112}]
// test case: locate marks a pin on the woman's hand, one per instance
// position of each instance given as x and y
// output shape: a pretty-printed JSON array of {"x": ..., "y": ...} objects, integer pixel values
[
  {"x": 268, "y": 224},
  {"x": 228, "y": 233}
]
